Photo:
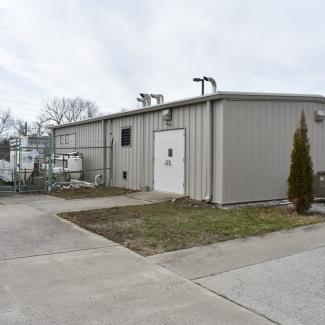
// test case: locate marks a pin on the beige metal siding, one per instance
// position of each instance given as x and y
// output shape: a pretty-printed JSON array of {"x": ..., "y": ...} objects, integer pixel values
[
  {"x": 88, "y": 140},
  {"x": 218, "y": 151},
  {"x": 137, "y": 160},
  {"x": 257, "y": 142},
  {"x": 252, "y": 141}
]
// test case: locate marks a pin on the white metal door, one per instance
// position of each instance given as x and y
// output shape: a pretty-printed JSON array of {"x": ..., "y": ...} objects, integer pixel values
[{"x": 169, "y": 161}]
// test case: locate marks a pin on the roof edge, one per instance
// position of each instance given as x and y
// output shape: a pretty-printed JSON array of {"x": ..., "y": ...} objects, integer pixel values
[{"x": 220, "y": 95}]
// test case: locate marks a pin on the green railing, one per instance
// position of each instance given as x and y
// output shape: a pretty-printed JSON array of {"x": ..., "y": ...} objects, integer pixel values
[{"x": 37, "y": 167}]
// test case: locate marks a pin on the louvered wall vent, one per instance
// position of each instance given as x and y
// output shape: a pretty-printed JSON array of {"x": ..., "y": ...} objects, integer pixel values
[{"x": 319, "y": 115}]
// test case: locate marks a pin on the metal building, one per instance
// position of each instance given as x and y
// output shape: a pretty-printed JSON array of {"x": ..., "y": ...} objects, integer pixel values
[{"x": 226, "y": 147}]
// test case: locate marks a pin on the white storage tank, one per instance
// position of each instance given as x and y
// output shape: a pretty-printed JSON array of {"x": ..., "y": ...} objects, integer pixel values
[{"x": 75, "y": 167}]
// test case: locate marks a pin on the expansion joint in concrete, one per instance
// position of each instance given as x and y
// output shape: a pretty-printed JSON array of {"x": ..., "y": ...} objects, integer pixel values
[
  {"x": 57, "y": 253},
  {"x": 252, "y": 264},
  {"x": 238, "y": 304}
]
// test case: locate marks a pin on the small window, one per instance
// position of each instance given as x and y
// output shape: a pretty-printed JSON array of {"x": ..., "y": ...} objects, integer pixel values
[
  {"x": 170, "y": 152},
  {"x": 67, "y": 139},
  {"x": 125, "y": 174},
  {"x": 126, "y": 137},
  {"x": 61, "y": 139}
]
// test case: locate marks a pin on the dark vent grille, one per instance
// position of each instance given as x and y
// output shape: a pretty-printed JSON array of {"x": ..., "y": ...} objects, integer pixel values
[{"x": 126, "y": 137}]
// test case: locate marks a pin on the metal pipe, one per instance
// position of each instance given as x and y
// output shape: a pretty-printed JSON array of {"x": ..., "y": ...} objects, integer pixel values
[
  {"x": 202, "y": 84},
  {"x": 142, "y": 101},
  {"x": 104, "y": 152},
  {"x": 147, "y": 98},
  {"x": 20, "y": 164},
  {"x": 101, "y": 180},
  {"x": 159, "y": 98},
  {"x": 73, "y": 182},
  {"x": 51, "y": 145},
  {"x": 143, "y": 151},
  {"x": 111, "y": 166},
  {"x": 213, "y": 83},
  {"x": 210, "y": 151},
  {"x": 15, "y": 168}
]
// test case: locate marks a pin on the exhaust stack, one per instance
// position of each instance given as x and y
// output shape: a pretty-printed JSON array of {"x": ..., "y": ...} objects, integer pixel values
[
  {"x": 146, "y": 98},
  {"x": 213, "y": 83},
  {"x": 159, "y": 98},
  {"x": 142, "y": 101}
]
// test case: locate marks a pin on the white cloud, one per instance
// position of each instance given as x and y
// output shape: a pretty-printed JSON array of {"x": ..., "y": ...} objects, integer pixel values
[{"x": 109, "y": 51}]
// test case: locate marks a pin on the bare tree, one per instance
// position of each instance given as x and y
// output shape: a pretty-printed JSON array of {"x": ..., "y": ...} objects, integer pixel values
[
  {"x": 39, "y": 127},
  {"x": 20, "y": 127},
  {"x": 65, "y": 110},
  {"x": 5, "y": 123},
  {"x": 80, "y": 109},
  {"x": 55, "y": 110}
]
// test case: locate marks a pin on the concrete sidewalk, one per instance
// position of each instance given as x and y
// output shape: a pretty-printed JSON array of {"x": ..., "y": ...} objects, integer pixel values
[
  {"x": 280, "y": 275},
  {"x": 289, "y": 290},
  {"x": 53, "y": 272},
  {"x": 203, "y": 261}
]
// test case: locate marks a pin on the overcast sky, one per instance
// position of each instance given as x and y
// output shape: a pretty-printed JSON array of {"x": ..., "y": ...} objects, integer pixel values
[{"x": 109, "y": 51}]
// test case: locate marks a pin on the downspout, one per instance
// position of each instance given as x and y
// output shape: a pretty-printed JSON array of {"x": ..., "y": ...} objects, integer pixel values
[
  {"x": 104, "y": 152},
  {"x": 111, "y": 167},
  {"x": 143, "y": 158},
  {"x": 209, "y": 152},
  {"x": 52, "y": 144}
]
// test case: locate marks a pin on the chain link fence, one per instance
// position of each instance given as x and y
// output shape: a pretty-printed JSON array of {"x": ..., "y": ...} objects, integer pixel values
[
  {"x": 6, "y": 168},
  {"x": 82, "y": 166},
  {"x": 43, "y": 166},
  {"x": 23, "y": 166}
]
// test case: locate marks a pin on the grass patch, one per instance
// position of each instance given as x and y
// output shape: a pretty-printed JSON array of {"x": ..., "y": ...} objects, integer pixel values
[
  {"x": 87, "y": 192},
  {"x": 168, "y": 226}
]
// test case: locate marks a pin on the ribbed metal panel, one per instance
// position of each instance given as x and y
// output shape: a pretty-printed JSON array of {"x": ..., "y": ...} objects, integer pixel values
[
  {"x": 218, "y": 151},
  {"x": 257, "y": 142},
  {"x": 87, "y": 138},
  {"x": 252, "y": 142},
  {"x": 138, "y": 159}
]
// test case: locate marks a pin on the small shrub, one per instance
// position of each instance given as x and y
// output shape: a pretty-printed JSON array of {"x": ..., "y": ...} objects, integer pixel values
[{"x": 300, "y": 181}]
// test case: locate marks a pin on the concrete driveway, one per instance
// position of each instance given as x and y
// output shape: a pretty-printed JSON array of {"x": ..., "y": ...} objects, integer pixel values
[
  {"x": 280, "y": 276},
  {"x": 53, "y": 272}
]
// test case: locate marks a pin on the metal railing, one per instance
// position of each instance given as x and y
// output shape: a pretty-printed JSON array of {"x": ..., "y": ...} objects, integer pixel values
[{"x": 40, "y": 168}]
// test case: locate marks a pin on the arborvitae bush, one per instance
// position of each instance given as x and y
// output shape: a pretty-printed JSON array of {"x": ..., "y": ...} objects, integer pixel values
[{"x": 300, "y": 181}]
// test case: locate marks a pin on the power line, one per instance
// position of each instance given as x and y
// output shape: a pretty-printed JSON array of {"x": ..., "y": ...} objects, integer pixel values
[
  {"x": 17, "y": 94},
  {"x": 18, "y": 101},
  {"x": 22, "y": 108}
]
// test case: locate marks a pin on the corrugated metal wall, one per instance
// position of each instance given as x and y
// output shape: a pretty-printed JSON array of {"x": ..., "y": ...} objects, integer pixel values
[
  {"x": 257, "y": 143},
  {"x": 252, "y": 145},
  {"x": 138, "y": 159},
  {"x": 88, "y": 140},
  {"x": 218, "y": 161}
]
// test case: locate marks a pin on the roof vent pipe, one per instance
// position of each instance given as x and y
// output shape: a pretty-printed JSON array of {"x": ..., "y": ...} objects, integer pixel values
[
  {"x": 213, "y": 83},
  {"x": 147, "y": 98},
  {"x": 142, "y": 101},
  {"x": 158, "y": 97}
]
